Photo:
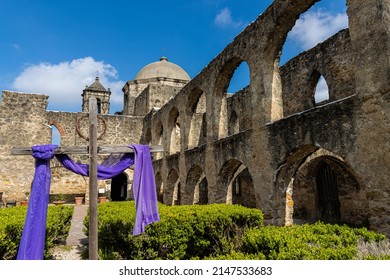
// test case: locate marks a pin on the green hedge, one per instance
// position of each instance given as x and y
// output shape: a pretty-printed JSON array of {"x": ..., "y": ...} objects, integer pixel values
[
  {"x": 184, "y": 232},
  {"x": 318, "y": 241},
  {"x": 11, "y": 227},
  {"x": 225, "y": 232}
]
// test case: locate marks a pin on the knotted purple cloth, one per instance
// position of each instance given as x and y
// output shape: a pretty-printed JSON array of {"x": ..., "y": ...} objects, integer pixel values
[
  {"x": 32, "y": 243},
  {"x": 33, "y": 237}
]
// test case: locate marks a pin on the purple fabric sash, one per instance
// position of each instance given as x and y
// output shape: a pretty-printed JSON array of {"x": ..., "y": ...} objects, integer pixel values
[
  {"x": 33, "y": 237},
  {"x": 32, "y": 243},
  {"x": 144, "y": 189},
  {"x": 104, "y": 172}
]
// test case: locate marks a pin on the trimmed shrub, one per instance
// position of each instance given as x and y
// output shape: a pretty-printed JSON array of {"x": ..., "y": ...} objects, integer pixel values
[
  {"x": 11, "y": 227},
  {"x": 184, "y": 232},
  {"x": 307, "y": 242}
]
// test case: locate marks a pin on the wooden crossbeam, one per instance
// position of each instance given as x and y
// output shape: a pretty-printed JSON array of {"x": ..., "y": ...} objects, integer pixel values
[{"x": 84, "y": 150}]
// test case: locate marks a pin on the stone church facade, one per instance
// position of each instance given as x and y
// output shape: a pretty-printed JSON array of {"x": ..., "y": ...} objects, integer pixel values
[{"x": 269, "y": 145}]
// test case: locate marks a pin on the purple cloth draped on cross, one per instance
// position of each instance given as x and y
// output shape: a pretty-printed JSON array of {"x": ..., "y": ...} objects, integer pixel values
[{"x": 33, "y": 237}]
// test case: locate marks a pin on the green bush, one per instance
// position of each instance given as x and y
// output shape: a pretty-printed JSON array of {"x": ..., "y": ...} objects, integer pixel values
[
  {"x": 184, "y": 232},
  {"x": 11, "y": 227},
  {"x": 228, "y": 232},
  {"x": 307, "y": 242}
]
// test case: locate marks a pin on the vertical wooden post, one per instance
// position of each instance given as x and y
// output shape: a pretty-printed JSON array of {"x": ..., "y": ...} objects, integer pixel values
[{"x": 93, "y": 192}]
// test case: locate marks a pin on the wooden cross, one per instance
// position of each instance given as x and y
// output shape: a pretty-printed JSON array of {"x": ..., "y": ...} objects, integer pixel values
[{"x": 93, "y": 150}]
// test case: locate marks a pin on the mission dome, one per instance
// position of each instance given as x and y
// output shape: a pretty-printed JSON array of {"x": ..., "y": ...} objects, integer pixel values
[{"x": 162, "y": 69}]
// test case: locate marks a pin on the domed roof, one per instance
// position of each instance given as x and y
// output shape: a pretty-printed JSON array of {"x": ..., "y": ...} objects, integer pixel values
[{"x": 162, "y": 69}]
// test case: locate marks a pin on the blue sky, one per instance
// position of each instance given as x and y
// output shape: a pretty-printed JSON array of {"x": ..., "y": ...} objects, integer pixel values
[{"x": 57, "y": 47}]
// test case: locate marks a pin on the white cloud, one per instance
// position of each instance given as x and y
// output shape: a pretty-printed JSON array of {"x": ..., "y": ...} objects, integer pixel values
[
  {"x": 65, "y": 81},
  {"x": 315, "y": 26},
  {"x": 224, "y": 19}
]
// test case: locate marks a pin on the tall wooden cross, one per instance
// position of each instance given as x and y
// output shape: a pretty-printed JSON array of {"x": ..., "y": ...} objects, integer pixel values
[{"x": 93, "y": 150}]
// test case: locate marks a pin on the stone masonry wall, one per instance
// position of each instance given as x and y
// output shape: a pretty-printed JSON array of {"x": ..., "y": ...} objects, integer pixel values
[
  {"x": 22, "y": 123},
  {"x": 332, "y": 59}
]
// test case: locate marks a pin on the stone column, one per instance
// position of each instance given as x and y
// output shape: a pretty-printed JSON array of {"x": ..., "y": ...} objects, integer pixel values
[{"x": 370, "y": 37}]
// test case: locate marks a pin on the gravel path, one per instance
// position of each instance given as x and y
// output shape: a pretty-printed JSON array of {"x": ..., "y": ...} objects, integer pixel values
[{"x": 76, "y": 240}]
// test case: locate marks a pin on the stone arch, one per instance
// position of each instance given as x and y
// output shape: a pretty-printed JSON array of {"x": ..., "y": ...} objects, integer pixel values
[
  {"x": 196, "y": 186},
  {"x": 57, "y": 132},
  {"x": 240, "y": 78},
  {"x": 159, "y": 187},
  {"x": 317, "y": 87},
  {"x": 148, "y": 136},
  {"x": 196, "y": 111},
  {"x": 321, "y": 94},
  {"x": 309, "y": 198},
  {"x": 58, "y": 126},
  {"x": 98, "y": 106},
  {"x": 159, "y": 133},
  {"x": 292, "y": 34},
  {"x": 172, "y": 196},
  {"x": 174, "y": 129},
  {"x": 119, "y": 187},
  {"x": 235, "y": 184},
  {"x": 234, "y": 123},
  {"x": 220, "y": 117}
]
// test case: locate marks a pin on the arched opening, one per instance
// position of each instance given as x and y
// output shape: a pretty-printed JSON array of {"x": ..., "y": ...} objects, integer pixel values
[
  {"x": 321, "y": 94},
  {"x": 235, "y": 185},
  {"x": 220, "y": 111},
  {"x": 234, "y": 123},
  {"x": 119, "y": 187},
  {"x": 55, "y": 135},
  {"x": 321, "y": 21},
  {"x": 159, "y": 132},
  {"x": 196, "y": 186},
  {"x": 322, "y": 187},
  {"x": 196, "y": 110},
  {"x": 148, "y": 137},
  {"x": 240, "y": 78},
  {"x": 159, "y": 187},
  {"x": 174, "y": 127},
  {"x": 173, "y": 192},
  {"x": 98, "y": 106}
]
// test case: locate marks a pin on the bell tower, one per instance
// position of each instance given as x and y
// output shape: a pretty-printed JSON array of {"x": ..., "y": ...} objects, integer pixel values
[{"x": 101, "y": 94}]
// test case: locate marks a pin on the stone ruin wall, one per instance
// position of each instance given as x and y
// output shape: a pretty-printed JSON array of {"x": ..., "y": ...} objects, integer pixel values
[
  {"x": 25, "y": 122},
  {"x": 286, "y": 127},
  {"x": 332, "y": 59}
]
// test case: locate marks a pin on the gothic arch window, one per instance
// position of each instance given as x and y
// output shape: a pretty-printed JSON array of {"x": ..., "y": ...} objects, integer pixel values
[
  {"x": 57, "y": 131},
  {"x": 321, "y": 94},
  {"x": 55, "y": 135}
]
